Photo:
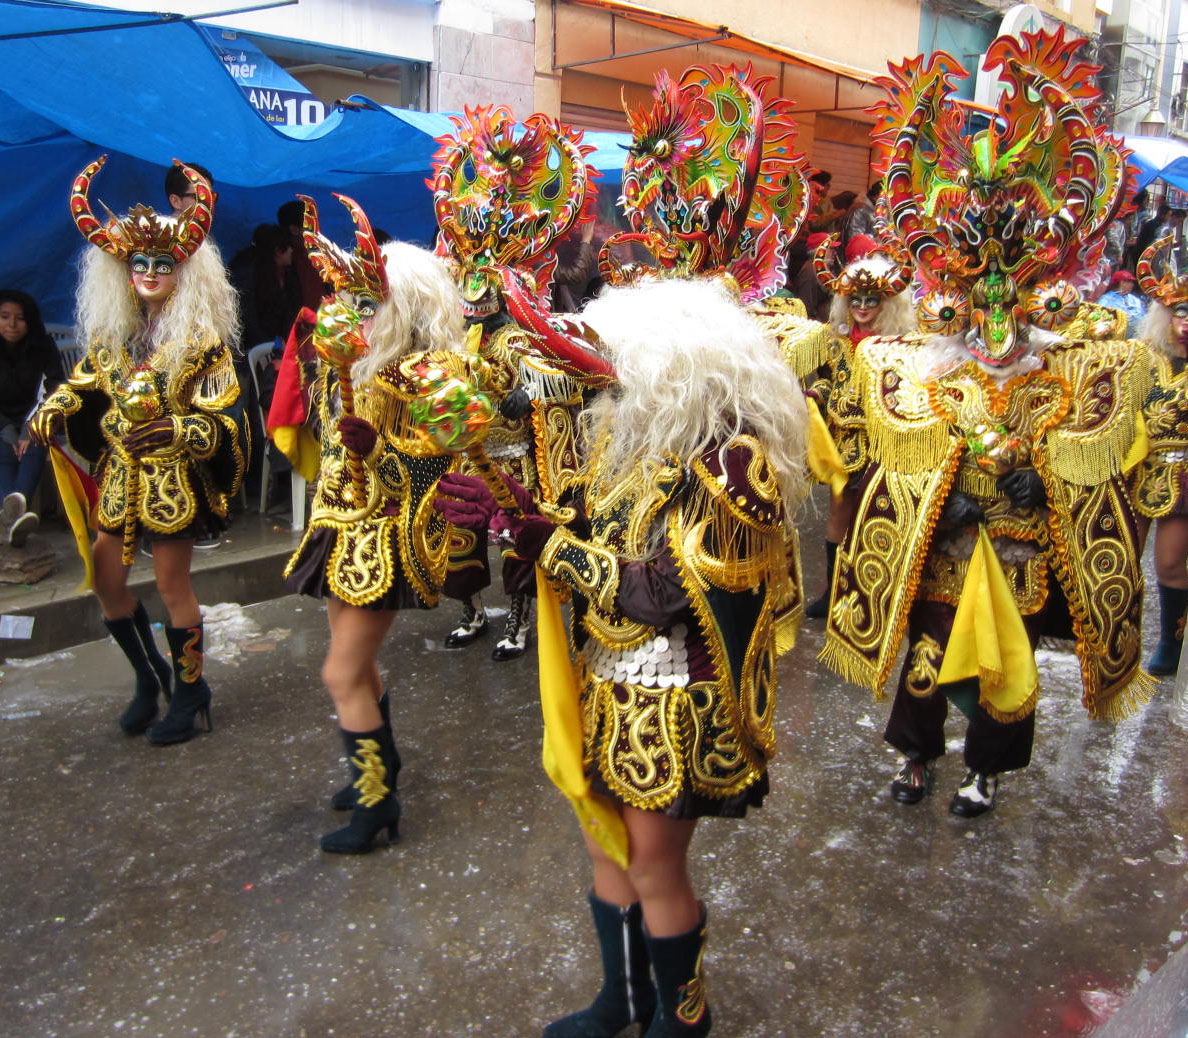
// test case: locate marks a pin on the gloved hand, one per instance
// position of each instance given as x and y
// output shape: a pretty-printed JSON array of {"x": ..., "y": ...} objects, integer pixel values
[
  {"x": 529, "y": 533},
  {"x": 147, "y": 437},
  {"x": 961, "y": 510},
  {"x": 357, "y": 435},
  {"x": 516, "y": 404},
  {"x": 1024, "y": 487},
  {"x": 47, "y": 424},
  {"x": 464, "y": 501}
]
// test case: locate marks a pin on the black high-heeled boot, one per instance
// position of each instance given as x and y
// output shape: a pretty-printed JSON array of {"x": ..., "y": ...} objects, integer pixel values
[
  {"x": 374, "y": 761},
  {"x": 191, "y": 693},
  {"x": 134, "y": 635},
  {"x": 676, "y": 961},
  {"x": 345, "y": 798},
  {"x": 627, "y": 995},
  {"x": 819, "y": 609},
  {"x": 1166, "y": 658}
]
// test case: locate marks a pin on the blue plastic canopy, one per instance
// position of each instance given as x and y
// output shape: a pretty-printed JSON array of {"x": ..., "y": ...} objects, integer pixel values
[
  {"x": 1159, "y": 158},
  {"x": 146, "y": 89}
]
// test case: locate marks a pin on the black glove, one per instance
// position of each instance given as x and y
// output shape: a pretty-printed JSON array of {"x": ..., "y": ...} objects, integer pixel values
[
  {"x": 1024, "y": 487},
  {"x": 962, "y": 510},
  {"x": 516, "y": 404}
]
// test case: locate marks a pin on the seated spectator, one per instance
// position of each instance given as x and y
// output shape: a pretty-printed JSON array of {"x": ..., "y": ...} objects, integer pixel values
[
  {"x": 1123, "y": 295},
  {"x": 28, "y": 355}
]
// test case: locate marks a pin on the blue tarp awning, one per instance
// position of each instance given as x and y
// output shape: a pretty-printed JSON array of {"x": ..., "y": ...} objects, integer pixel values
[
  {"x": 149, "y": 93},
  {"x": 1159, "y": 158}
]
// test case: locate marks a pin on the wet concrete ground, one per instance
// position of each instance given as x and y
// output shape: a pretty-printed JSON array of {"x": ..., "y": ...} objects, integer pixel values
[{"x": 180, "y": 890}]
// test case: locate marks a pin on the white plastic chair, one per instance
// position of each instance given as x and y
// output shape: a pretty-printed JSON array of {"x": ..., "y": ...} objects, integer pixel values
[
  {"x": 257, "y": 357},
  {"x": 70, "y": 351}
]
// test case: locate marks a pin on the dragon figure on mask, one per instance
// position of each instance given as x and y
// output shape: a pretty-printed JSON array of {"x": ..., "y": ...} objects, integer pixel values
[
  {"x": 505, "y": 194},
  {"x": 999, "y": 434}
]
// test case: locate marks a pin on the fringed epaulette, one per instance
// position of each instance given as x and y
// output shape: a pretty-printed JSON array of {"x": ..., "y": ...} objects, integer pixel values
[
  {"x": 1108, "y": 383},
  {"x": 735, "y": 511},
  {"x": 805, "y": 344},
  {"x": 904, "y": 433},
  {"x": 85, "y": 374},
  {"x": 741, "y": 481},
  {"x": 545, "y": 382}
]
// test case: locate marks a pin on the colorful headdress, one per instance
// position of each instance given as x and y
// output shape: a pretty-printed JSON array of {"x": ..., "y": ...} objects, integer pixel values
[
  {"x": 1000, "y": 219},
  {"x": 887, "y": 271},
  {"x": 711, "y": 182},
  {"x": 142, "y": 230},
  {"x": 361, "y": 272},
  {"x": 1170, "y": 289},
  {"x": 504, "y": 195}
]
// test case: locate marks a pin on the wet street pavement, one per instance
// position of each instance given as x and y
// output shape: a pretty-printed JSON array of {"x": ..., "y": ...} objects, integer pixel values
[{"x": 180, "y": 890}]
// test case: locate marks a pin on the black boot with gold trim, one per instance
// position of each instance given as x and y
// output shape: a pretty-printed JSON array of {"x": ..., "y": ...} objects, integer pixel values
[
  {"x": 345, "y": 798},
  {"x": 682, "y": 1011},
  {"x": 191, "y": 693},
  {"x": 628, "y": 995},
  {"x": 134, "y": 635},
  {"x": 375, "y": 763}
]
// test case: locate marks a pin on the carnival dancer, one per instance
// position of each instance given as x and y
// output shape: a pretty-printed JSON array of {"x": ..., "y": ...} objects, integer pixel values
[
  {"x": 374, "y": 545},
  {"x": 504, "y": 198},
  {"x": 1160, "y": 481},
  {"x": 671, "y": 542},
  {"x": 154, "y": 408},
  {"x": 994, "y": 508},
  {"x": 870, "y": 296}
]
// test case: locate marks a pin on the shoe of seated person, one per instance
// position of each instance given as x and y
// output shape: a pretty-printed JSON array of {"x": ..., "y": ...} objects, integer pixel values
[
  {"x": 13, "y": 507},
  {"x": 19, "y": 532}
]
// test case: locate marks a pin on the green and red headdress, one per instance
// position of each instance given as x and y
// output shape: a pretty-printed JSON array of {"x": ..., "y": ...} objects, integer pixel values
[
  {"x": 711, "y": 182},
  {"x": 1007, "y": 216},
  {"x": 504, "y": 194}
]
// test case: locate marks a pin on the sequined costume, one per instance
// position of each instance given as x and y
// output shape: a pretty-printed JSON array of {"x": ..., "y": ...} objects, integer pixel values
[
  {"x": 373, "y": 541},
  {"x": 181, "y": 489},
  {"x": 997, "y": 443},
  {"x": 1160, "y": 480},
  {"x": 388, "y": 550},
  {"x": 504, "y": 196},
  {"x": 676, "y": 654}
]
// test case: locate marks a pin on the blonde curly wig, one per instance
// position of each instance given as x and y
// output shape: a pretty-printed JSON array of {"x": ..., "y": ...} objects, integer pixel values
[
  {"x": 203, "y": 308},
  {"x": 695, "y": 369},
  {"x": 423, "y": 310},
  {"x": 1156, "y": 328}
]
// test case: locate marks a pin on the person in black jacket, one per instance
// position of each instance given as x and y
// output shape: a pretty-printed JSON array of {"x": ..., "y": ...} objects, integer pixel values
[{"x": 27, "y": 356}]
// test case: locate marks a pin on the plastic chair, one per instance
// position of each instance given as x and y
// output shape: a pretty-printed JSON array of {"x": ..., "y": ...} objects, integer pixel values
[
  {"x": 71, "y": 352},
  {"x": 257, "y": 357}
]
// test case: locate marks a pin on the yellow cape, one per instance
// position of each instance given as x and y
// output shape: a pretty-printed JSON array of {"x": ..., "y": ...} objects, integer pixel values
[
  {"x": 560, "y": 703},
  {"x": 79, "y": 512}
]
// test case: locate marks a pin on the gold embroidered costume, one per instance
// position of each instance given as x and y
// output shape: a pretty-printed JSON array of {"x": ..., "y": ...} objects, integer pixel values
[
  {"x": 388, "y": 544},
  {"x": 169, "y": 489},
  {"x": 676, "y": 652},
  {"x": 1073, "y": 420}
]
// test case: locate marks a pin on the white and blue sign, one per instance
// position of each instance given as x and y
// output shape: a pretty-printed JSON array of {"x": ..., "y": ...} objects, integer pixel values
[{"x": 270, "y": 90}]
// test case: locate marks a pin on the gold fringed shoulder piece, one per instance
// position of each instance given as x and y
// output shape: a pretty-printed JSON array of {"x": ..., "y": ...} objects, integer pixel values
[
  {"x": 904, "y": 433},
  {"x": 1109, "y": 382},
  {"x": 804, "y": 343}
]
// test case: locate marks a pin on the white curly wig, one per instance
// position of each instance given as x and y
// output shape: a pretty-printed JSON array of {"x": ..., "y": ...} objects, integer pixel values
[
  {"x": 1155, "y": 329},
  {"x": 695, "y": 369},
  {"x": 423, "y": 310},
  {"x": 203, "y": 308}
]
